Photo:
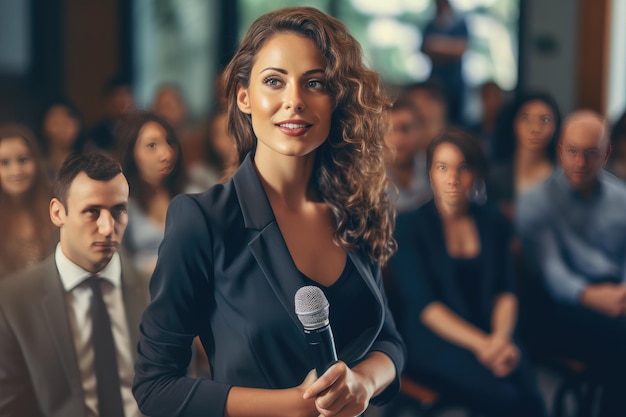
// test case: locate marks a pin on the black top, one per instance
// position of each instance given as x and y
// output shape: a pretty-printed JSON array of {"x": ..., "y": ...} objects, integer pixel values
[
  {"x": 348, "y": 313},
  {"x": 422, "y": 271},
  {"x": 468, "y": 276}
]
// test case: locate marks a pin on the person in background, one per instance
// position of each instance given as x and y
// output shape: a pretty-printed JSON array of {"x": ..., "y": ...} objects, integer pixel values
[
  {"x": 445, "y": 41},
  {"x": 61, "y": 133},
  {"x": 617, "y": 159},
  {"x": 27, "y": 235},
  {"x": 406, "y": 164},
  {"x": 492, "y": 99},
  {"x": 454, "y": 292},
  {"x": 118, "y": 99},
  {"x": 152, "y": 161},
  {"x": 218, "y": 157},
  {"x": 430, "y": 103},
  {"x": 68, "y": 326},
  {"x": 169, "y": 103},
  {"x": 573, "y": 233},
  {"x": 525, "y": 148},
  {"x": 308, "y": 120}
]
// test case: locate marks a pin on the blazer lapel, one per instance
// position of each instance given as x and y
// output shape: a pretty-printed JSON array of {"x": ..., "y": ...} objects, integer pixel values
[
  {"x": 54, "y": 308},
  {"x": 361, "y": 345},
  {"x": 443, "y": 262},
  {"x": 267, "y": 246}
]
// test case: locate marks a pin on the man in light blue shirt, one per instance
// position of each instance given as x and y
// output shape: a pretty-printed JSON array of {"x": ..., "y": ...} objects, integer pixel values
[{"x": 573, "y": 230}]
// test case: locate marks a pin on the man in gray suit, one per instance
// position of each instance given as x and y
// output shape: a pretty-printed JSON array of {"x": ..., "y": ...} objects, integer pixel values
[{"x": 54, "y": 359}]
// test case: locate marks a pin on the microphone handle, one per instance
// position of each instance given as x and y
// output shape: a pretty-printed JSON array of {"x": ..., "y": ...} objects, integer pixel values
[{"x": 322, "y": 348}]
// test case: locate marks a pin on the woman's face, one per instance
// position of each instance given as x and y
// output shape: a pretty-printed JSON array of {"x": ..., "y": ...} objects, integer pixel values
[
  {"x": 450, "y": 176},
  {"x": 534, "y": 125},
  {"x": 154, "y": 156},
  {"x": 60, "y": 127},
  {"x": 287, "y": 99},
  {"x": 17, "y": 167}
]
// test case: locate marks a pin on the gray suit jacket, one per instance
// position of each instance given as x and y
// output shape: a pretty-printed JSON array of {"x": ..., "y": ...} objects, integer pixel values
[{"x": 39, "y": 374}]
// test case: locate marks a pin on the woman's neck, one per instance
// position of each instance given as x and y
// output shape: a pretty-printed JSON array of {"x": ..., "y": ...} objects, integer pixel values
[
  {"x": 403, "y": 173},
  {"x": 286, "y": 179},
  {"x": 526, "y": 160},
  {"x": 451, "y": 212}
]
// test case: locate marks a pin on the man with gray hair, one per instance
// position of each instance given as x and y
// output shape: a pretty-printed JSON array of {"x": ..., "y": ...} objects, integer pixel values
[{"x": 573, "y": 231}]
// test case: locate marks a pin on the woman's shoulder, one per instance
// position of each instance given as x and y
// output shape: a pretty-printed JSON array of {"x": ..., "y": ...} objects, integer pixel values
[{"x": 214, "y": 202}]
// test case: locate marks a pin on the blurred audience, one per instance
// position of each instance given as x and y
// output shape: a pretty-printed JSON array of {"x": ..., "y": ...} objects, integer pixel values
[
  {"x": 406, "y": 163},
  {"x": 525, "y": 147},
  {"x": 430, "y": 103},
  {"x": 152, "y": 162},
  {"x": 617, "y": 158},
  {"x": 117, "y": 99},
  {"x": 27, "y": 234},
  {"x": 220, "y": 150},
  {"x": 170, "y": 104},
  {"x": 445, "y": 41},
  {"x": 452, "y": 279},
  {"x": 60, "y": 132},
  {"x": 492, "y": 100},
  {"x": 573, "y": 231}
]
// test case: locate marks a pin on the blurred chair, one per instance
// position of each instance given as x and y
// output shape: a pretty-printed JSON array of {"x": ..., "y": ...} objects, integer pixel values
[{"x": 425, "y": 401}]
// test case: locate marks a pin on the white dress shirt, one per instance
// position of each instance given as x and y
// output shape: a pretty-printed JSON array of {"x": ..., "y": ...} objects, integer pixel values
[{"x": 78, "y": 301}]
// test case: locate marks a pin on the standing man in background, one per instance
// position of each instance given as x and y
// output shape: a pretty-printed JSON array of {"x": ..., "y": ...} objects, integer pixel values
[{"x": 445, "y": 42}]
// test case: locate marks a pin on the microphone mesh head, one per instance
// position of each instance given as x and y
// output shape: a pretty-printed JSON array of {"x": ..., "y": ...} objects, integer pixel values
[{"x": 312, "y": 307}]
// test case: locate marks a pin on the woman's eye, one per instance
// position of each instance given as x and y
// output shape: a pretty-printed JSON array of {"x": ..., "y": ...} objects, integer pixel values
[
  {"x": 316, "y": 84},
  {"x": 151, "y": 145},
  {"x": 271, "y": 81}
]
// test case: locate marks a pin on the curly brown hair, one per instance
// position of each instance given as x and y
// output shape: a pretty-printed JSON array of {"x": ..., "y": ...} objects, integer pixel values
[{"x": 349, "y": 173}]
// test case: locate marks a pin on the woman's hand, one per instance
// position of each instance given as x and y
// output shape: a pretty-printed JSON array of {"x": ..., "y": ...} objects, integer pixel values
[
  {"x": 340, "y": 392},
  {"x": 498, "y": 354}
]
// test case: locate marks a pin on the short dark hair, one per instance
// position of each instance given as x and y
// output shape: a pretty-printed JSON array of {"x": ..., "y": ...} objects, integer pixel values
[
  {"x": 96, "y": 165},
  {"x": 469, "y": 146}
]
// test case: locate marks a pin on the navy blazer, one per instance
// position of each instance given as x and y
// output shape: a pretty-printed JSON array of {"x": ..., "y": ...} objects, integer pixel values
[
  {"x": 225, "y": 273},
  {"x": 421, "y": 271}
]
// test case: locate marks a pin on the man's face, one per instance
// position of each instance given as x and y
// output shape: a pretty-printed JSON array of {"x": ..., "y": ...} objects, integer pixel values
[
  {"x": 406, "y": 135},
  {"x": 93, "y": 220},
  {"x": 583, "y": 151}
]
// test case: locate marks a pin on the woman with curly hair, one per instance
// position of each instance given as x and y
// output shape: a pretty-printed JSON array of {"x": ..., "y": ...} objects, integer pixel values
[
  {"x": 27, "y": 235},
  {"x": 307, "y": 206}
]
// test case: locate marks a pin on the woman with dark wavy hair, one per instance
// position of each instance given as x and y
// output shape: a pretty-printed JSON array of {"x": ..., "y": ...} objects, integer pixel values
[
  {"x": 27, "y": 235},
  {"x": 525, "y": 147},
  {"x": 151, "y": 159},
  {"x": 308, "y": 206}
]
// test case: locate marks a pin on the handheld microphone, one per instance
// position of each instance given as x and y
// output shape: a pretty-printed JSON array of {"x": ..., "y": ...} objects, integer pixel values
[{"x": 312, "y": 310}]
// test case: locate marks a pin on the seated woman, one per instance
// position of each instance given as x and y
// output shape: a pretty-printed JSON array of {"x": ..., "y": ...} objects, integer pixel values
[
  {"x": 27, "y": 234},
  {"x": 525, "y": 147},
  {"x": 152, "y": 162},
  {"x": 453, "y": 285}
]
